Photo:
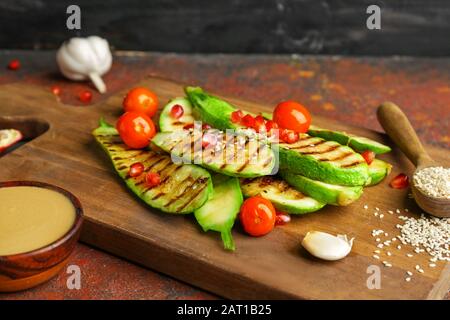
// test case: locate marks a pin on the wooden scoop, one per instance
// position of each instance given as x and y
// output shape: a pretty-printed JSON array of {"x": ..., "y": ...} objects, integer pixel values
[{"x": 398, "y": 127}]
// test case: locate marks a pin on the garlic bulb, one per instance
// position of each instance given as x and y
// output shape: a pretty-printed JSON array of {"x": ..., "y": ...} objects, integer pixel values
[
  {"x": 326, "y": 246},
  {"x": 85, "y": 58}
]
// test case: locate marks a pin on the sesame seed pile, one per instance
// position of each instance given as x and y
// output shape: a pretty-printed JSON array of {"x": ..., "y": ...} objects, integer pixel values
[
  {"x": 425, "y": 235},
  {"x": 433, "y": 181},
  {"x": 428, "y": 234}
]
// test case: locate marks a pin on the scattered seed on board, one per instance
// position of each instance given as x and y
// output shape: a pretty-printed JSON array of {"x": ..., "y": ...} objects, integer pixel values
[
  {"x": 399, "y": 247},
  {"x": 375, "y": 214},
  {"x": 397, "y": 210},
  {"x": 421, "y": 270},
  {"x": 377, "y": 251},
  {"x": 376, "y": 208},
  {"x": 409, "y": 273},
  {"x": 376, "y": 257},
  {"x": 389, "y": 254},
  {"x": 409, "y": 255},
  {"x": 432, "y": 265},
  {"x": 381, "y": 216},
  {"x": 408, "y": 279},
  {"x": 391, "y": 212},
  {"x": 366, "y": 206}
]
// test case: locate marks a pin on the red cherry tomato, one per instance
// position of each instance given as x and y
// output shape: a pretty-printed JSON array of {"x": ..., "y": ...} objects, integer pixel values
[
  {"x": 152, "y": 179},
  {"x": 136, "y": 169},
  {"x": 289, "y": 136},
  {"x": 14, "y": 64},
  {"x": 236, "y": 116},
  {"x": 257, "y": 216},
  {"x": 136, "y": 129},
  {"x": 282, "y": 218},
  {"x": 176, "y": 111},
  {"x": 369, "y": 156},
  {"x": 260, "y": 124},
  {"x": 248, "y": 121},
  {"x": 292, "y": 115},
  {"x": 85, "y": 96},
  {"x": 56, "y": 90},
  {"x": 400, "y": 181},
  {"x": 141, "y": 100}
]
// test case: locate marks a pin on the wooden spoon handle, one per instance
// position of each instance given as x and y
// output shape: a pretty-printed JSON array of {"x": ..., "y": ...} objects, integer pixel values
[{"x": 398, "y": 127}]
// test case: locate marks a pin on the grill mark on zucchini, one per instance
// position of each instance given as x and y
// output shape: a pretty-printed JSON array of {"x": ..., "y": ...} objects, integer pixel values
[
  {"x": 193, "y": 197},
  {"x": 354, "y": 163}
]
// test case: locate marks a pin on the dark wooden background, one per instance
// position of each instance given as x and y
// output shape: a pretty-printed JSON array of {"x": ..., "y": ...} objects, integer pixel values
[{"x": 409, "y": 27}]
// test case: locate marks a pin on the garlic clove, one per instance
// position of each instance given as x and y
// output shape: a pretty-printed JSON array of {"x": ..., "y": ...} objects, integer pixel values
[{"x": 326, "y": 246}]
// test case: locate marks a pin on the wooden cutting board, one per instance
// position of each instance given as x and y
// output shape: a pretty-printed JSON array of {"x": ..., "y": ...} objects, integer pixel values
[{"x": 274, "y": 266}]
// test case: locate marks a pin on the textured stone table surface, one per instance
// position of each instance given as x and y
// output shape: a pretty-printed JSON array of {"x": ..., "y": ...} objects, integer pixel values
[{"x": 347, "y": 89}]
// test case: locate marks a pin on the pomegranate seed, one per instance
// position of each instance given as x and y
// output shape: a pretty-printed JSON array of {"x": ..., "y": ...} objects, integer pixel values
[
  {"x": 14, "y": 64},
  {"x": 270, "y": 124},
  {"x": 152, "y": 179},
  {"x": 401, "y": 181},
  {"x": 260, "y": 124},
  {"x": 85, "y": 96},
  {"x": 206, "y": 126},
  {"x": 177, "y": 111},
  {"x": 248, "y": 121},
  {"x": 188, "y": 126},
  {"x": 136, "y": 169},
  {"x": 282, "y": 218},
  {"x": 236, "y": 116},
  {"x": 56, "y": 90},
  {"x": 209, "y": 139},
  {"x": 289, "y": 136},
  {"x": 369, "y": 156}
]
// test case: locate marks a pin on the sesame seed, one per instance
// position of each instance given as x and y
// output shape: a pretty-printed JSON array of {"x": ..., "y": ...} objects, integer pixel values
[
  {"x": 389, "y": 254},
  {"x": 377, "y": 251},
  {"x": 408, "y": 279},
  {"x": 399, "y": 247},
  {"x": 417, "y": 267},
  {"x": 421, "y": 270},
  {"x": 375, "y": 214},
  {"x": 409, "y": 255},
  {"x": 432, "y": 265},
  {"x": 433, "y": 181},
  {"x": 397, "y": 210},
  {"x": 380, "y": 245},
  {"x": 391, "y": 212},
  {"x": 409, "y": 273},
  {"x": 366, "y": 206},
  {"x": 376, "y": 208},
  {"x": 376, "y": 257},
  {"x": 381, "y": 216},
  {"x": 377, "y": 239}
]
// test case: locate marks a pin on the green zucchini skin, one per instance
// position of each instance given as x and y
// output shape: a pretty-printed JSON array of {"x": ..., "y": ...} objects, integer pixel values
[
  {"x": 284, "y": 197},
  {"x": 183, "y": 189},
  {"x": 318, "y": 166},
  {"x": 168, "y": 124},
  {"x": 220, "y": 211},
  {"x": 359, "y": 144},
  {"x": 327, "y": 193},
  {"x": 378, "y": 170}
]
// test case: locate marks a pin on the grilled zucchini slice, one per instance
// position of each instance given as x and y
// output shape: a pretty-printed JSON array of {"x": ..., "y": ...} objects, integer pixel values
[
  {"x": 220, "y": 211},
  {"x": 325, "y": 192},
  {"x": 233, "y": 154},
  {"x": 183, "y": 188},
  {"x": 327, "y": 161},
  {"x": 168, "y": 124},
  {"x": 315, "y": 158},
  {"x": 359, "y": 144},
  {"x": 283, "y": 197},
  {"x": 378, "y": 170}
]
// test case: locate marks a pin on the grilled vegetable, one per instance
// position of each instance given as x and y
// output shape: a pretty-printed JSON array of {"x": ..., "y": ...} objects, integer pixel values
[
  {"x": 378, "y": 170},
  {"x": 220, "y": 211},
  {"x": 183, "y": 188},
  {"x": 328, "y": 193},
  {"x": 233, "y": 155},
  {"x": 359, "y": 144},
  {"x": 312, "y": 157},
  {"x": 327, "y": 161},
  {"x": 168, "y": 123},
  {"x": 211, "y": 109},
  {"x": 283, "y": 197}
]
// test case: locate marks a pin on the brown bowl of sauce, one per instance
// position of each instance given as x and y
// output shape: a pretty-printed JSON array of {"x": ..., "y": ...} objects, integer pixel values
[{"x": 39, "y": 226}]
